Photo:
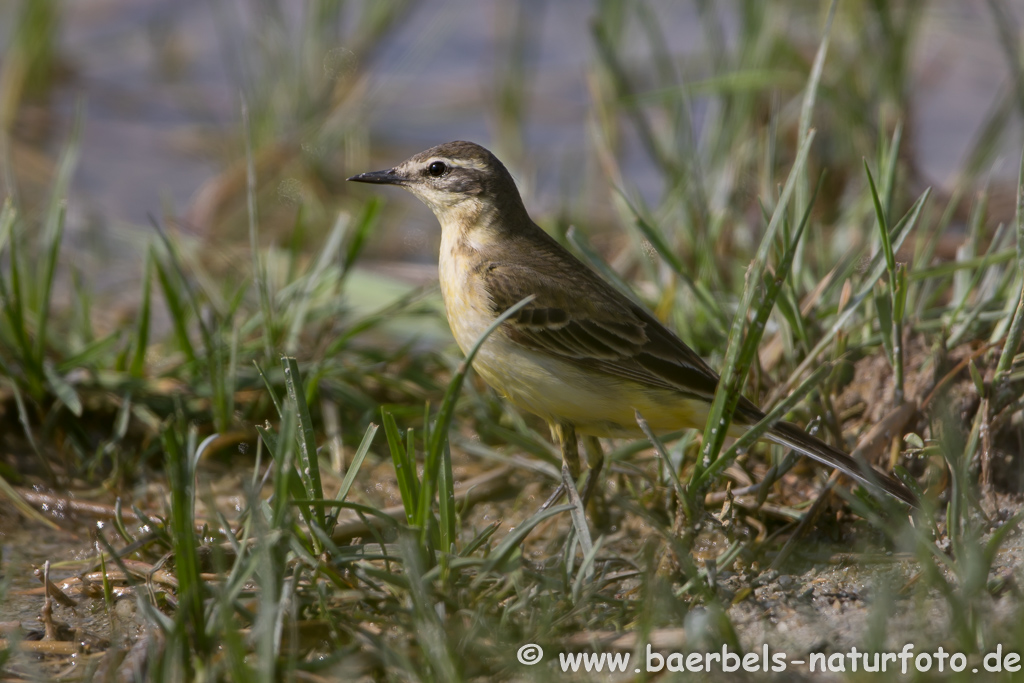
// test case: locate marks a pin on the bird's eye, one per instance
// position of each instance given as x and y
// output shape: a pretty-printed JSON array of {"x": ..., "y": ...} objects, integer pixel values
[{"x": 437, "y": 169}]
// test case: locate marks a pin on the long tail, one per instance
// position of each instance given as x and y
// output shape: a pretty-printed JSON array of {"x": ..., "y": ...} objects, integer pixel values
[{"x": 792, "y": 436}]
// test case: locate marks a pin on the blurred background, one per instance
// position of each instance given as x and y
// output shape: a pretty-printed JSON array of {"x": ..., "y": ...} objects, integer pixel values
[
  {"x": 662, "y": 101},
  {"x": 174, "y": 217}
]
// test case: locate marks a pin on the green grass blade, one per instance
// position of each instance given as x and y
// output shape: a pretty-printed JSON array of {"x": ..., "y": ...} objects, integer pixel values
[
  {"x": 96, "y": 353},
  {"x": 190, "y": 300},
  {"x": 970, "y": 300},
  {"x": 350, "y": 476},
  {"x": 7, "y": 216},
  {"x": 15, "y": 310},
  {"x": 1016, "y": 331},
  {"x": 889, "y": 177},
  {"x": 883, "y": 228},
  {"x": 764, "y": 425},
  {"x": 47, "y": 274},
  {"x": 951, "y": 267},
  {"x": 327, "y": 256},
  {"x": 53, "y": 233},
  {"x": 659, "y": 448},
  {"x": 586, "y": 571},
  {"x": 883, "y": 307},
  {"x": 405, "y": 468},
  {"x": 892, "y": 328},
  {"x": 141, "y": 340},
  {"x": 64, "y": 391},
  {"x": 230, "y": 382},
  {"x": 515, "y": 538},
  {"x": 15, "y": 321},
  {"x": 874, "y": 271},
  {"x": 741, "y": 349},
  {"x": 753, "y": 338},
  {"x": 999, "y": 536},
  {"x": 26, "y": 426},
  {"x": 439, "y": 432},
  {"x": 357, "y": 461},
  {"x": 82, "y": 311},
  {"x": 287, "y": 483},
  {"x": 714, "y": 310},
  {"x": 191, "y": 588},
  {"x": 811, "y": 95},
  {"x": 278, "y": 406},
  {"x": 9, "y": 493},
  {"x": 480, "y": 539},
  {"x": 177, "y": 310},
  {"x": 446, "y": 502},
  {"x": 622, "y": 84},
  {"x": 365, "y": 224},
  {"x": 259, "y": 272},
  {"x": 430, "y": 632},
  {"x": 743, "y": 80},
  {"x": 309, "y": 464}
]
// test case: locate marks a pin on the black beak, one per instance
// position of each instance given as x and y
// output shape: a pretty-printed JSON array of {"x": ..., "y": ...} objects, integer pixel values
[{"x": 389, "y": 177}]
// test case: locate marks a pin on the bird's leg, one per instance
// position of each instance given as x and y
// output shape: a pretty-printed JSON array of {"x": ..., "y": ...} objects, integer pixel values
[
  {"x": 595, "y": 463},
  {"x": 566, "y": 437}
]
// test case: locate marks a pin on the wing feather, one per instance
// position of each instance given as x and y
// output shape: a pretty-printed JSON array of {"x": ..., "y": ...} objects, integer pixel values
[{"x": 605, "y": 332}]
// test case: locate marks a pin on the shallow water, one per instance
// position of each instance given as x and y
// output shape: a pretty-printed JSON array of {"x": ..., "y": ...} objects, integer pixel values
[{"x": 156, "y": 77}]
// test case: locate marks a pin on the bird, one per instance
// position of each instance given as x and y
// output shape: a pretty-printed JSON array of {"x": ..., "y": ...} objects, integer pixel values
[{"x": 580, "y": 354}]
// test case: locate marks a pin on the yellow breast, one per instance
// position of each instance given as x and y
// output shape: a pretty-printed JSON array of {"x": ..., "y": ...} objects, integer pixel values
[{"x": 466, "y": 303}]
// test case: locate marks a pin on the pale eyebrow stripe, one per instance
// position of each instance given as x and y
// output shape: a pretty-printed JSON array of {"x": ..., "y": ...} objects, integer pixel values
[{"x": 461, "y": 163}]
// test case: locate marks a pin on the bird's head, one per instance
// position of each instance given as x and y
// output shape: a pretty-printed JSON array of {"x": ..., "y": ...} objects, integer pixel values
[{"x": 457, "y": 180}]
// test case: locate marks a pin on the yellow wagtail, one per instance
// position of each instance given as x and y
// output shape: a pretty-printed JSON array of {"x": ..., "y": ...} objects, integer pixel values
[{"x": 581, "y": 354}]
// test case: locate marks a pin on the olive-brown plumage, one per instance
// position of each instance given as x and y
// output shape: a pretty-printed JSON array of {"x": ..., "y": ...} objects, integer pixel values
[{"x": 580, "y": 354}]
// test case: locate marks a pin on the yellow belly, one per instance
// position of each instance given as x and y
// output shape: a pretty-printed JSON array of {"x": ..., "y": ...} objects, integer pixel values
[{"x": 594, "y": 403}]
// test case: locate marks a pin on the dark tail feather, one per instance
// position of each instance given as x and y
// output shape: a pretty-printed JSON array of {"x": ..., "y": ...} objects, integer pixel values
[{"x": 792, "y": 436}]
